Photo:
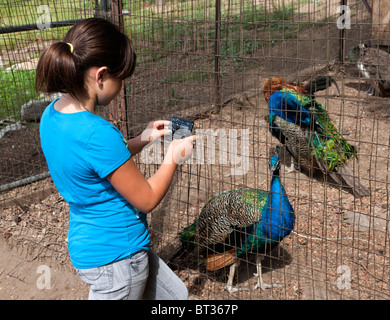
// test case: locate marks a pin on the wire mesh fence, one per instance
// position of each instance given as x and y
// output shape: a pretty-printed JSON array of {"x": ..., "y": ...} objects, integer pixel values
[{"x": 208, "y": 61}]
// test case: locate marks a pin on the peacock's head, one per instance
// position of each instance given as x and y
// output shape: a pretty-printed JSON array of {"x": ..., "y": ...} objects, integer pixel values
[
  {"x": 274, "y": 163},
  {"x": 356, "y": 52}
]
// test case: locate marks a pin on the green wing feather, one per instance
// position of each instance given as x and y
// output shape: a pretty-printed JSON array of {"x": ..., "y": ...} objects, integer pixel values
[{"x": 326, "y": 142}]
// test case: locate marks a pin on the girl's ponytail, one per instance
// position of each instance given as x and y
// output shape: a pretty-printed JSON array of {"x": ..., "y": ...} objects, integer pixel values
[
  {"x": 57, "y": 71},
  {"x": 93, "y": 42}
]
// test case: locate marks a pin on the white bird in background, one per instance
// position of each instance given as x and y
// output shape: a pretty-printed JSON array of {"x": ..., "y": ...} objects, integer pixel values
[{"x": 374, "y": 65}]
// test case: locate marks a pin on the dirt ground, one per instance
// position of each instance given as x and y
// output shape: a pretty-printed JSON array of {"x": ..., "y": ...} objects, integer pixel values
[
  {"x": 24, "y": 278},
  {"x": 337, "y": 237}
]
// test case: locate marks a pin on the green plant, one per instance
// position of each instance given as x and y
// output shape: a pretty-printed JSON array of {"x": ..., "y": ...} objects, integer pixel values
[{"x": 16, "y": 88}]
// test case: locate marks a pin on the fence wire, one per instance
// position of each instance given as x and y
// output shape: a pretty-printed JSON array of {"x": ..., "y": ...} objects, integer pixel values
[{"x": 207, "y": 61}]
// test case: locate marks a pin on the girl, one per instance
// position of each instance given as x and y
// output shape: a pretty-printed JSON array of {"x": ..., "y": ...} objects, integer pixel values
[{"x": 92, "y": 168}]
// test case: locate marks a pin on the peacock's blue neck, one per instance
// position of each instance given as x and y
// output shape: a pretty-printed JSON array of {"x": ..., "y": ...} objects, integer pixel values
[
  {"x": 285, "y": 105},
  {"x": 276, "y": 222},
  {"x": 278, "y": 215}
]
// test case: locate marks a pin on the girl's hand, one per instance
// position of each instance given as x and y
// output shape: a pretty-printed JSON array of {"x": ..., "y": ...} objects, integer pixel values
[
  {"x": 152, "y": 133},
  {"x": 144, "y": 194},
  {"x": 155, "y": 130},
  {"x": 180, "y": 150}
]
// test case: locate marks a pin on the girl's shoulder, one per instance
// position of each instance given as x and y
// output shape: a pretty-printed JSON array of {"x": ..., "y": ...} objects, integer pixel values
[{"x": 102, "y": 129}]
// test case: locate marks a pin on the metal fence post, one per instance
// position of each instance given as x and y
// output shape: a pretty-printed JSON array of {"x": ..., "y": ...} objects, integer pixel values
[{"x": 217, "y": 80}]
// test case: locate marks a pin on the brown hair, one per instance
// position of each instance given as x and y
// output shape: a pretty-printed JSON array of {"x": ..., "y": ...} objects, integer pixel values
[{"x": 96, "y": 43}]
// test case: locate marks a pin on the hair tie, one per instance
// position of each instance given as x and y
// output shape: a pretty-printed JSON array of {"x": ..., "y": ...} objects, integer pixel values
[{"x": 71, "y": 47}]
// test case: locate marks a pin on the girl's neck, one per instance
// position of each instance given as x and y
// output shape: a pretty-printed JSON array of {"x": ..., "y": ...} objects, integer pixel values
[{"x": 69, "y": 104}]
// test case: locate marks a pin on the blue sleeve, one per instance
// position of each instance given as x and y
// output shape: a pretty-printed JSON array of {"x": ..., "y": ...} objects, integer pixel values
[{"x": 107, "y": 149}]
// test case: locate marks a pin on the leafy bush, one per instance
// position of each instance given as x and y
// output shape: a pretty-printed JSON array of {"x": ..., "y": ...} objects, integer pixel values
[{"x": 16, "y": 88}]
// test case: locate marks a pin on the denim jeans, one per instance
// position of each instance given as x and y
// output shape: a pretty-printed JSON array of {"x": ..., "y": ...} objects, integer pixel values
[{"x": 143, "y": 276}]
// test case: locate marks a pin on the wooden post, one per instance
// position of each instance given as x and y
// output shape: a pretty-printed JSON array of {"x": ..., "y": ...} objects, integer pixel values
[
  {"x": 380, "y": 22},
  {"x": 118, "y": 107},
  {"x": 342, "y": 36}
]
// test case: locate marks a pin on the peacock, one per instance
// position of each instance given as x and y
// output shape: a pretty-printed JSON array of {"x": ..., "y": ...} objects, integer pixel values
[
  {"x": 374, "y": 65},
  {"x": 236, "y": 222},
  {"x": 303, "y": 125},
  {"x": 274, "y": 84}
]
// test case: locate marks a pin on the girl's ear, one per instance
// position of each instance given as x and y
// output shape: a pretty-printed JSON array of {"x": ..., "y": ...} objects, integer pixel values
[{"x": 99, "y": 75}]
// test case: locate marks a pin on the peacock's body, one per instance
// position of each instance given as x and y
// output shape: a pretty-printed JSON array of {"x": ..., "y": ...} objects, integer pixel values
[
  {"x": 303, "y": 125},
  {"x": 374, "y": 65},
  {"x": 246, "y": 220}
]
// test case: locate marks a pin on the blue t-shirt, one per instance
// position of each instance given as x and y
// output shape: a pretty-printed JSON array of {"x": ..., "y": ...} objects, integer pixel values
[{"x": 81, "y": 149}]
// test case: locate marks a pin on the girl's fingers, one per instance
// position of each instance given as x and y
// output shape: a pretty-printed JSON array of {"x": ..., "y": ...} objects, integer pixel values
[
  {"x": 161, "y": 124},
  {"x": 165, "y": 132},
  {"x": 192, "y": 138}
]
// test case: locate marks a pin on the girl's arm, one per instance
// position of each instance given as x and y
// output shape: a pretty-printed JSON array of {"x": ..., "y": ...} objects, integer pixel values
[
  {"x": 146, "y": 194},
  {"x": 154, "y": 130}
]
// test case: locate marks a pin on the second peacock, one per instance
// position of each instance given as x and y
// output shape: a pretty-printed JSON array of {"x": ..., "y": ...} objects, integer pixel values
[{"x": 304, "y": 126}]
